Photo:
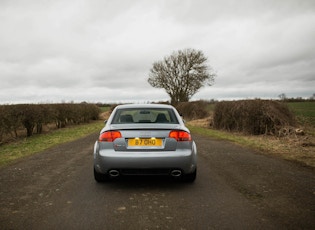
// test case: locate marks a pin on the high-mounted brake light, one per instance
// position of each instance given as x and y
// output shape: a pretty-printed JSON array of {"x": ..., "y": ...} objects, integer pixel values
[
  {"x": 109, "y": 136},
  {"x": 180, "y": 135}
]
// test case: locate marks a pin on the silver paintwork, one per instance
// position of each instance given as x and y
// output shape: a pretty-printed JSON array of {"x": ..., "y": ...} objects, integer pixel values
[{"x": 111, "y": 157}]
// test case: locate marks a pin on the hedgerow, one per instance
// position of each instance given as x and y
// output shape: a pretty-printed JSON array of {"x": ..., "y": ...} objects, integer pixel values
[
  {"x": 193, "y": 110},
  {"x": 32, "y": 117},
  {"x": 252, "y": 116}
]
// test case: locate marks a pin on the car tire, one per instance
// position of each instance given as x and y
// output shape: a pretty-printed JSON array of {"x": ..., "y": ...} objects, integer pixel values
[
  {"x": 191, "y": 177},
  {"x": 100, "y": 177}
]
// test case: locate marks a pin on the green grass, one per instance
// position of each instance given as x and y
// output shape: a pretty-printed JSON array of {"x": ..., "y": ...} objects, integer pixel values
[
  {"x": 259, "y": 143},
  {"x": 37, "y": 143},
  {"x": 236, "y": 138},
  {"x": 304, "y": 111},
  {"x": 105, "y": 109}
]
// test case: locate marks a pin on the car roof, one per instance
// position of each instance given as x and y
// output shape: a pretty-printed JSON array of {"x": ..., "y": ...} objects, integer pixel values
[{"x": 127, "y": 106}]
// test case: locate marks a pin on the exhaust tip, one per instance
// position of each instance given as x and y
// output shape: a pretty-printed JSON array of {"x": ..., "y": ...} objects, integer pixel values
[
  {"x": 176, "y": 173},
  {"x": 114, "y": 173}
]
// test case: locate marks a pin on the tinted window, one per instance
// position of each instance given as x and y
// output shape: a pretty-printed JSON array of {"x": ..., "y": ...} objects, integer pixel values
[{"x": 145, "y": 115}]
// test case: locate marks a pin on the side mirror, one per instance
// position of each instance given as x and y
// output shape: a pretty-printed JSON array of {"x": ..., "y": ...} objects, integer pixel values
[{"x": 105, "y": 122}]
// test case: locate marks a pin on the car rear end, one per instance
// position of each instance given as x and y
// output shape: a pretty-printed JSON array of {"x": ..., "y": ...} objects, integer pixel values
[{"x": 145, "y": 145}]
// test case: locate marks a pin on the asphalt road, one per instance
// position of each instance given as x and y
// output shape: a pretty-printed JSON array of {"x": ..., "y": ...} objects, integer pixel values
[{"x": 236, "y": 188}]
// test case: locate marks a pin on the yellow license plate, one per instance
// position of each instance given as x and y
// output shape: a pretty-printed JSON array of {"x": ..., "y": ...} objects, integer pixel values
[{"x": 155, "y": 142}]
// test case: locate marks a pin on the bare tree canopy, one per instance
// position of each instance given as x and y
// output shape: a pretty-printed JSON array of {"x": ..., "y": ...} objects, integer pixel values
[{"x": 181, "y": 74}]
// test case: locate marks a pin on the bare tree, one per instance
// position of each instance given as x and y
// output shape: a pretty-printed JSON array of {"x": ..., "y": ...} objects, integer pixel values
[
  {"x": 181, "y": 74},
  {"x": 282, "y": 96}
]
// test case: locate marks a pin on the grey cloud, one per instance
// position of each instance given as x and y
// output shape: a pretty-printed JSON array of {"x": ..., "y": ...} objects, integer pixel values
[{"x": 103, "y": 50}]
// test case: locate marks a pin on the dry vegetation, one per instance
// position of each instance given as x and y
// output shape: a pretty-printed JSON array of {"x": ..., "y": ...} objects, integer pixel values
[
  {"x": 193, "y": 110},
  {"x": 290, "y": 141},
  {"x": 253, "y": 117},
  {"x": 299, "y": 148}
]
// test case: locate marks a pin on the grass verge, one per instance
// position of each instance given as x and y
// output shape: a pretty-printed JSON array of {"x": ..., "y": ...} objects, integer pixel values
[
  {"x": 238, "y": 139},
  {"x": 37, "y": 143},
  {"x": 293, "y": 148}
]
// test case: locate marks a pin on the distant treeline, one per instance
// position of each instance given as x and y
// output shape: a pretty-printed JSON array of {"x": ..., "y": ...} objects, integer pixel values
[
  {"x": 298, "y": 99},
  {"x": 32, "y": 117}
]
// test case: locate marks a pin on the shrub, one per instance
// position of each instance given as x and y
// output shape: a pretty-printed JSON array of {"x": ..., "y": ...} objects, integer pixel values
[
  {"x": 252, "y": 116},
  {"x": 192, "y": 110},
  {"x": 29, "y": 116},
  {"x": 11, "y": 119}
]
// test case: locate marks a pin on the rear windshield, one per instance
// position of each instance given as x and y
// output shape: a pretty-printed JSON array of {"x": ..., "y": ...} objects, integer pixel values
[{"x": 147, "y": 115}]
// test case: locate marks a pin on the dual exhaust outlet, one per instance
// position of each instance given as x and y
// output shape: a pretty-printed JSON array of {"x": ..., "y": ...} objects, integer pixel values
[
  {"x": 176, "y": 173},
  {"x": 116, "y": 173}
]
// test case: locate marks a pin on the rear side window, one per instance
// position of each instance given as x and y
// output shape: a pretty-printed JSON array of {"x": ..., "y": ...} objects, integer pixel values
[{"x": 145, "y": 115}]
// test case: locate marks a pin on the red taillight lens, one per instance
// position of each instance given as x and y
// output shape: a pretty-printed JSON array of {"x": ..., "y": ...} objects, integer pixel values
[
  {"x": 180, "y": 135},
  {"x": 109, "y": 136}
]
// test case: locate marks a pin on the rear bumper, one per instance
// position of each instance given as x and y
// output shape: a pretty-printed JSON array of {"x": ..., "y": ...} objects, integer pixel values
[{"x": 182, "y": 159}]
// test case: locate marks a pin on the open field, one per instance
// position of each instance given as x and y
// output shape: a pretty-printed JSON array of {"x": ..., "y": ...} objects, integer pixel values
[{"x": 304, "y": 111}]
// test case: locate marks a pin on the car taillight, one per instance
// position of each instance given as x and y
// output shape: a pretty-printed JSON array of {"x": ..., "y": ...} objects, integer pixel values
[
  {"x": 180, "y": 135},
  {"x": 109, "y": 136}
]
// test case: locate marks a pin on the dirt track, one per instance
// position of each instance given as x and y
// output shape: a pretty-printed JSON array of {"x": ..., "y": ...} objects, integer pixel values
[{"x": 236, "y": 188}]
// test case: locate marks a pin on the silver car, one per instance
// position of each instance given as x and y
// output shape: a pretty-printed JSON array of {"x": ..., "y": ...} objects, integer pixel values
[{"x": 148, "y": 139}]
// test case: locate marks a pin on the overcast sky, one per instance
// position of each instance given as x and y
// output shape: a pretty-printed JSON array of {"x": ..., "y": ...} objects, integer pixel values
[{"x": 102, "y": 50}]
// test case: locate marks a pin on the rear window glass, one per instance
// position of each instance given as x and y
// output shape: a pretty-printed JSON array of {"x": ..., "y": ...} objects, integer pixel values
[{"x": 144, "y": 115}]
